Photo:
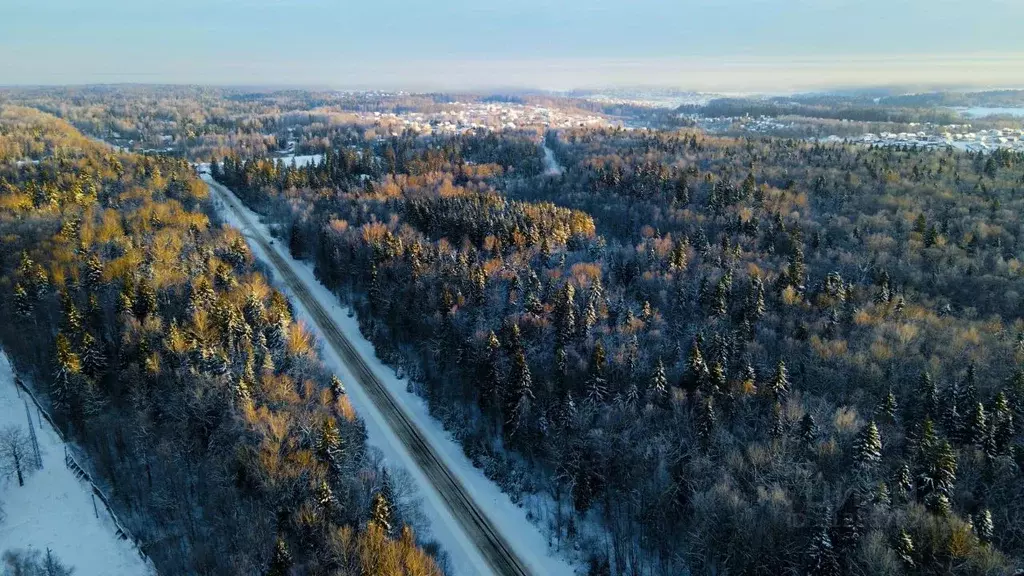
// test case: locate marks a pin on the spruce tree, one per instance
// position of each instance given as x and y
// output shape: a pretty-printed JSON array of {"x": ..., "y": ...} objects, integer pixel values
[
  {"x": 888, "y": 407},
  {"x": 337, "y": 388},
  {"x": 697, "y": 369},
  {"x": 659, "y": 384},
  {"x": 976, "y": 425},
  {"x": 380, "y": 513},
  {"x": 778, "y": 386},
  {"x": 706, "y": 420},
  {"x": 821, "y": 558},
  {"x": 903, "y": 545},
  {"x": 867, "y": 447},
  {"x": 1002, "y": 423},
  {"x": 808, "y": 431},
  {"x": 281, "y": 561},
  {"x": 983, "y": 526},
  {"x": 565, "y": 314},
  {"x": 596, "y": 385}
]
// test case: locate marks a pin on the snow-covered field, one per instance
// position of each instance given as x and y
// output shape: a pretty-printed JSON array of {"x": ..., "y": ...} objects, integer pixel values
[
  {"x": 300, "y": 160},
  {"x": 54, "y": 509},
  {"x": 524, "y": 537}
]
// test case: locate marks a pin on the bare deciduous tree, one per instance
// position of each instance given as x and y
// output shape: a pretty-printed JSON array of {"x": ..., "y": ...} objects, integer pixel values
[{"x": 16, "y": 454}]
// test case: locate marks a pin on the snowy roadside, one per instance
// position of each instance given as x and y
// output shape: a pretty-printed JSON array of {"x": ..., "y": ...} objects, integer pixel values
[
  {"x": 54, "y": 509},
  {"x": 527, "y": 541}
]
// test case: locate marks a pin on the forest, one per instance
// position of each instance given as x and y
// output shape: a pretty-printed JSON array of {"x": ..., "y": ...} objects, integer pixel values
[
  {"x": 182, "y": 375},
  {"x": 751, "y": 355},
  {"x": 755, "y": 356}
]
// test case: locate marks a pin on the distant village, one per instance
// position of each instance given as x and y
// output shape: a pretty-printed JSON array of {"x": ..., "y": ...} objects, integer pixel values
[
  {"x": 960, "y": 137},
  {"x": 461, "y": 117}
]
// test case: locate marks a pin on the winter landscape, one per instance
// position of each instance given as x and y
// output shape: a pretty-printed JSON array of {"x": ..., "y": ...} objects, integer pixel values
[{"x": 569, "y": 289}]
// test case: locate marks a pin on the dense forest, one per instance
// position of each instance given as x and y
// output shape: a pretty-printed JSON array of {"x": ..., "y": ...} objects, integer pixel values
[
  {"x": 753, "y": 356},
  {"x": 712, "y": 355},
  {"x": 183, "y": 376}
]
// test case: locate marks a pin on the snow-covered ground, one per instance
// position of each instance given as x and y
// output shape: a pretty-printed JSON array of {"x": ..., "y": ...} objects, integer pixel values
[
  {"x": 551, "y": 165},
  {"x": 300, "y": 160},
  {"x": 527, "y": 541},
  {"x": 54, "y": 509}
]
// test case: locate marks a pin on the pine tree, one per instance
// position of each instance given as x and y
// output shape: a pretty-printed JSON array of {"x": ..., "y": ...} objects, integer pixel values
[
  {"x": 706, "y": 421},
  {"x": 678, "y": 259},
  {"x": 380, "y": 512},
  {"x": 778, "y": 387},
  {"x": 1001, "y": 422},
  {"x": 659, "y": 384},
  {"x": 867, "y": 447},
  {"x": 849, "y": 526},
  {"x": 936, "y": 474},
  {"x": 903, "y": 545},
  {"x": 903, "y": 481},
  {"x": 565, "y": 314},
  {"x": 94, "y": 363},
  {"x": 697, "y": 368},
  {"x": 328, "y": 445},
  {"x": 682, "y": 192},
  {"x": 755, "y": 305},
  {"x": 720, "y": 300},
  {"x": 976, "y": 426},
  {"x": 281, "y": 561},
  {"x": 67, "y": 367},
  {"x": 983, "y": 526},
  {"x": 24, "y": 304},
  {"x": 808, "y": 430},
  {"x": 821, "y": 558},
  {"x": 145, "y": 301},
  {"x": 337, "y": 388},
  {"x": 888, "y": 407},
  {"x": 596, "y": 385},
  {"x": 521, "y": 400}
]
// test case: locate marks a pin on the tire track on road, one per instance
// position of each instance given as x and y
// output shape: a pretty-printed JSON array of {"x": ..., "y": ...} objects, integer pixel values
[{"x": 489, "y": 541}]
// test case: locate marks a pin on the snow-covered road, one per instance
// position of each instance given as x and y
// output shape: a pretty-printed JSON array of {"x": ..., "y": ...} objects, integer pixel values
[{"x": 478, "y": 525}]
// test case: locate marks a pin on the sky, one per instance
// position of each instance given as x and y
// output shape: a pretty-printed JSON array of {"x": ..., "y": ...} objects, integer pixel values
[{"x": 737, "y": 45}]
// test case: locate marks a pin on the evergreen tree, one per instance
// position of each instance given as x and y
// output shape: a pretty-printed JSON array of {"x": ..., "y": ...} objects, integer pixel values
[
  {"x": 596, "y": 385},
  {"x": 706, "y": 421},
  {"x": 887, "y": 408},
  {"x": 821, "y": 557},
  {"x": 380, "y": 512},
  {"x": 1001, "y": 422},
  {"x": 755, "y": 305},
  {"x": 520, "y": 402},
  {"x": 808, "y": 430},
  {"x": 983, "y": 526},
  {"x": 903, "y": 545},
  {"x": 67, "y": 367},
  {"x": 24, "y": 304},
  {"x": 976, "y": 426},
  {"x": 337, "y": 387},
  {"x": 565, "y": 314},
  {"x": 904, "y": 482},
  {"x": 849, "y": 527},
  {"x": 936, "y": 472},
  {"x": 777, "y": 387},
  {"x": 867, "y": 447},
  {"x": 659, "y": 384},
  {"x": 697, "y": 368},
  {"x": 281, "y": 561}
]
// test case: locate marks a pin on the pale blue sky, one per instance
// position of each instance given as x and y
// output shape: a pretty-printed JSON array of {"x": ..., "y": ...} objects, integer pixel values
[{"x": 704, "y": 44}]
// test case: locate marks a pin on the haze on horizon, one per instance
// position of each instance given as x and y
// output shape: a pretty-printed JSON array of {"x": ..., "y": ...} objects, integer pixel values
[{"x": 730, "y": 45}]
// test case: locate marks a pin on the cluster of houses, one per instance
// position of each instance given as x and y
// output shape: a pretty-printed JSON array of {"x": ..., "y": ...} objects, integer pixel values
[
  {"x": 461, "y": 117},
  {"x": 960, "y": 137}
]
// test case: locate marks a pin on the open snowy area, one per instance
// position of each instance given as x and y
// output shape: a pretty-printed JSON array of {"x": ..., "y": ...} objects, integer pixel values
[
  {"x": 54, "y": 509},
  {"x": 529, "y": 543}
]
